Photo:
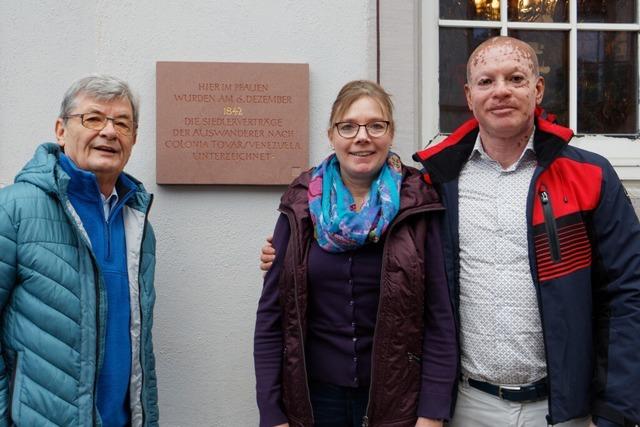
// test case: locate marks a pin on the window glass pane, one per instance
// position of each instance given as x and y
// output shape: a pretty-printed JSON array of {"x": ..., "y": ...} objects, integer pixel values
[
  {"x": 607, "y": 82},
  {"x": 477, "y": 10},
  {"x": 552, "y": 48},
  {"x": 538, "y": 10},
  {"x": 614, "y": 11},
  {"x": 456, "y": 44}
]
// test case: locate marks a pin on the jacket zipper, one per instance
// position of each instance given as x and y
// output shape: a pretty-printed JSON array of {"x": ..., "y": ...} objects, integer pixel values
[
  {"x": 546, "y": 353},
  {"x": 534, "y": 276},
  {"x": 68, "y": 208},
  {"x": 140, "y": 356},
  {"x": 367, "y": 419},
  {"x": 550, "y": 225},
  {"x": 97, "y": 370},
  {"x": 294, "y": 232},
  {"x": 107, "y": 231}
]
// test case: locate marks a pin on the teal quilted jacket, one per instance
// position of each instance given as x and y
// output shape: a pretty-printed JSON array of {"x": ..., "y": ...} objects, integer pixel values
[{"x": 54, "y": 307}]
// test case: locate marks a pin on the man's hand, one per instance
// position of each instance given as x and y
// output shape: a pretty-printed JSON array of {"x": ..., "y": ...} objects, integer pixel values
[
  {"x": 267, "y": 255},
  {"x": 428, "y": 422}
]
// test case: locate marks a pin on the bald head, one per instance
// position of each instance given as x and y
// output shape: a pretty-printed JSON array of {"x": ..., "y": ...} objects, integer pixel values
[
  {"x": 503, "y": 90},
  {"x": 524, "y": 50}
]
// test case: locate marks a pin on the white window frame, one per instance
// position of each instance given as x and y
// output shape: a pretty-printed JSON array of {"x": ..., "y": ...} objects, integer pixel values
[{"x": 622, "y": 152}]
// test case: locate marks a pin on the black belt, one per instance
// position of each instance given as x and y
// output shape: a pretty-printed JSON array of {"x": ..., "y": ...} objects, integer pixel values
[{"x": 525, "y": 393}]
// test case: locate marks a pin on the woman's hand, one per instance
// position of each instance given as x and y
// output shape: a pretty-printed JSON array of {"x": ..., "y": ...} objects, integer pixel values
[
  {"x": 267, "y": 255},
  {"x": 282, "y": 425},
  {"x": 428, "y": 422}
]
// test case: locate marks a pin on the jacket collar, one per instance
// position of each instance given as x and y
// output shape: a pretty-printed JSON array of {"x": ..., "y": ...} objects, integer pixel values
[
  {"x": 84, "y": 184},
  {"x": 44, "y": 171},
  {"x": 444, "y": 161}
]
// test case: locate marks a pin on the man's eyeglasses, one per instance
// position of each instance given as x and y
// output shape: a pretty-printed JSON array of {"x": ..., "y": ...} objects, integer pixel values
[
  {"x": 374, "y": 129},
  {"x": 98, "y": 121}
]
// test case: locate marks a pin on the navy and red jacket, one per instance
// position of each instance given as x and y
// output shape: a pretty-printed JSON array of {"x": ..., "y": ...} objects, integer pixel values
[{"x": 584, "y": 253}]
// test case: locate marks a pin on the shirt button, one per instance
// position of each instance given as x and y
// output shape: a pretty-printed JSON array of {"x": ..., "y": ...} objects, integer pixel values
[
  {"x": 351, "y": 302},
  {"x": 355, "y": 359},
  {"x": 351, "y": 282},
  {"x": 354, "y": 339},
  {"x": 353, "y": 324},
  {"x": 350, "y": 259}
]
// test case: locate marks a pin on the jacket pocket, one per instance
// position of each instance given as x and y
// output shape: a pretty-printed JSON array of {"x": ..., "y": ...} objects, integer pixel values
[
  {"x": 550, "y": 224},
  {"x": 16, "y": 387},
  {"x": 407, "y": 389}
]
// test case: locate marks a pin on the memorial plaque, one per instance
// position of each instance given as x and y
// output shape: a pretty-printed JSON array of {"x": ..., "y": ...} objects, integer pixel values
[{"x": 231, "y": 123}]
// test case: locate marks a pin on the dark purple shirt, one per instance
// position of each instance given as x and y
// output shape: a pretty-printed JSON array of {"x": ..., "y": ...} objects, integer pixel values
[{"x": 343, "y": 301}]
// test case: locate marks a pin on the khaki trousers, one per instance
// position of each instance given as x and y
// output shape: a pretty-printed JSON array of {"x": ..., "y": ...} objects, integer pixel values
[{"x": 476, "y": 408}]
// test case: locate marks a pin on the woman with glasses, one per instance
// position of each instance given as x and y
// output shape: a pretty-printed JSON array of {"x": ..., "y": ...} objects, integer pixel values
[{"x": 354, "y": 325}]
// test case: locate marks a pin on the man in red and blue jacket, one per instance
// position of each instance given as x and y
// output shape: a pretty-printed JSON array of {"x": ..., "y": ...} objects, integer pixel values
[{"x": 582, "y": 240}]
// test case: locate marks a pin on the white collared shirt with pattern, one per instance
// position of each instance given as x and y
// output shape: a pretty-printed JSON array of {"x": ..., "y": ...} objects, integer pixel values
[{"x": 501, "y": 332}]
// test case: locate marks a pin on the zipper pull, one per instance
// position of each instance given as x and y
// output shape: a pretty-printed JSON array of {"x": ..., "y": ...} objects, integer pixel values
[
  {"x": 413, "y": 358},
  {"x": 365, "y": 421},
  {"x": 544, "y": 197}
]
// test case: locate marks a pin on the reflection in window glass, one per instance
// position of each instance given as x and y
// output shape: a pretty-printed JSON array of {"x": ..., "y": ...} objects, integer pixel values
[
  {"x": 456, "y": 44},
  {"x": 475, "y": 10},
  {"x": 607, "y": 82},
  {"x": 538, "y": 10},
  {"x": 552, "y": 48},
  {"x": 609, "y": 11}
]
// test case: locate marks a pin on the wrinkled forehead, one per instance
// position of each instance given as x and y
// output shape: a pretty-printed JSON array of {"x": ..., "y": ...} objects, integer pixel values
[
  {"x": 119, "y": 105},
  {"x": 515, "y": 53}
]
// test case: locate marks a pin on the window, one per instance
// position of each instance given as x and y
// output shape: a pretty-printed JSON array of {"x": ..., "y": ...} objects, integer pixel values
[{"x": 588, "y": 55}]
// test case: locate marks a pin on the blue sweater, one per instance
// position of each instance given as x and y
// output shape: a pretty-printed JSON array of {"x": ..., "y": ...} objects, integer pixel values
[{"x": 109, "y": 246}]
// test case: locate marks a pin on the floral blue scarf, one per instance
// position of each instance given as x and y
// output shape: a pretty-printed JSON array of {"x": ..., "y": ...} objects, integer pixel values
[{"x": 338, "y": 226}]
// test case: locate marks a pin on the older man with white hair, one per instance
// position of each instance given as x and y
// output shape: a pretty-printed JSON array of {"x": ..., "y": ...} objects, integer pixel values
[{"x": 77, "y": 258}]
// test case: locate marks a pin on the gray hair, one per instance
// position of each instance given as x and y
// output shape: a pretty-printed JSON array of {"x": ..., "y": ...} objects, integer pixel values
[{"x": 101, "y": 87}]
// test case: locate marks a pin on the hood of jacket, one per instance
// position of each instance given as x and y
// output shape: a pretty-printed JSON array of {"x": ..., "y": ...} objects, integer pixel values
[
  {"x": 45, "y": 172},
  {"x": 42, "y": 168}
]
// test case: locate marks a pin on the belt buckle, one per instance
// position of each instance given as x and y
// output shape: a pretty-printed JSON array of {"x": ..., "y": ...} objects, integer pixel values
[{"x": 508, "y": 388}]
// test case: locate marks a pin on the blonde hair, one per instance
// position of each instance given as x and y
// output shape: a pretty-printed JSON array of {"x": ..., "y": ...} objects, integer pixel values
[{"x": 353, "y": 91}]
